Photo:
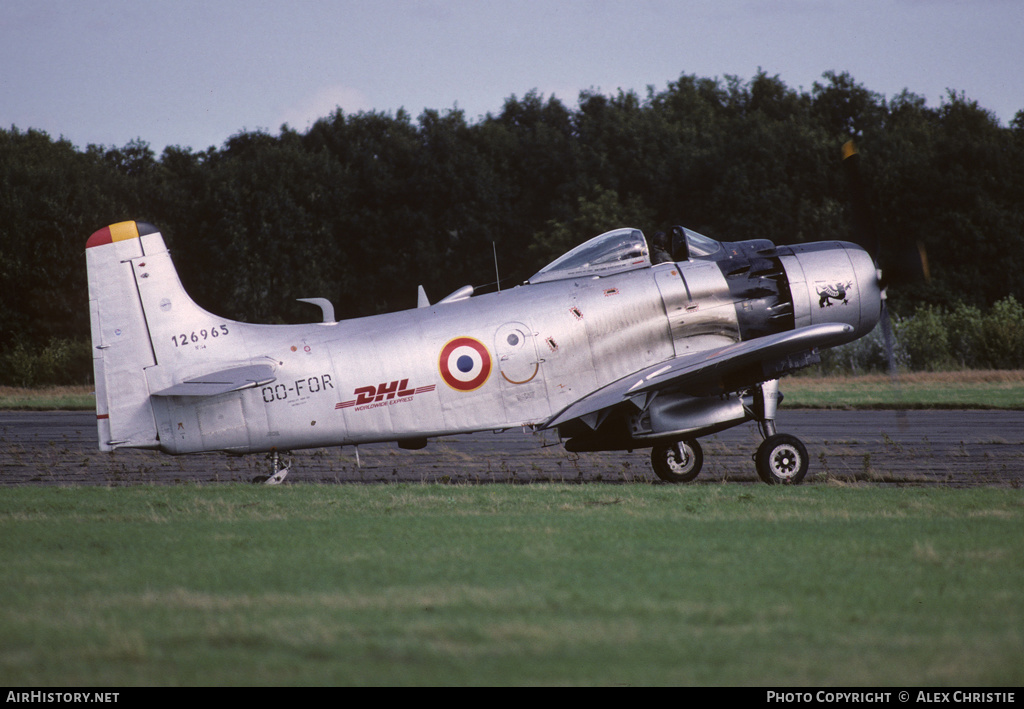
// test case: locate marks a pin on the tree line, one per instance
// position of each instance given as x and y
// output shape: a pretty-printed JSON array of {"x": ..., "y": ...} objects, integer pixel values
[{"x": 361, "y": 208}]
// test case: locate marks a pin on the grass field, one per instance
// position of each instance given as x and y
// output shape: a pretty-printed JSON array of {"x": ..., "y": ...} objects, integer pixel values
[
  {"x": 63, "y": 398},
  {"x": 970, "y": 389},
  {"x": 967, "y": 389},
  {"x": 546, "y": 584},
  {"x": 511, "y": 585}
]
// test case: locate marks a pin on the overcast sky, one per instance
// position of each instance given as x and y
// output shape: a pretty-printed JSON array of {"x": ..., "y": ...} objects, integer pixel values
[{"x": 194, "y": 72}]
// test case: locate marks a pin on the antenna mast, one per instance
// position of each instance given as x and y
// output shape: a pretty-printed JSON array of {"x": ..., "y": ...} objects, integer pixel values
[{"x": 497, "y": 278}]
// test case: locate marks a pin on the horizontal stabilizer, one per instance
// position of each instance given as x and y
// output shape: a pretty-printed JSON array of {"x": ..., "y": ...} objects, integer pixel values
[{"x": 222, "y": 382}]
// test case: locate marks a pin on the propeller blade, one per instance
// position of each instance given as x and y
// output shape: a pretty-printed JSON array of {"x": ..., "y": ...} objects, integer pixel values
[
  {"x": 890, "y": 342},
  {"x": 909, "y": 263},
  {"x": 894, "y": 373},
  {"x": 867, "y": 238},
  {"x": 863, "y": 230},
  {"x": 900, "y": 261}
]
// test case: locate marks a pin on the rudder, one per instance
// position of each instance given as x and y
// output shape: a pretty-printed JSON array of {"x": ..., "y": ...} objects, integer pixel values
[{"x": 120, "y": 339}]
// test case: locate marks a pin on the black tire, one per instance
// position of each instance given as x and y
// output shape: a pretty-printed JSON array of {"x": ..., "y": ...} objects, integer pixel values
[
  {"x": 781, "y": 460},
  {"x": 678, "y": 462}
]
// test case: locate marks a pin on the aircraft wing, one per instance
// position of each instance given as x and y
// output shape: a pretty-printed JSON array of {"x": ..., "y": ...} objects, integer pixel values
[
  {"x": 711, "y": 372},
  {"x": 222, "y": 382}
]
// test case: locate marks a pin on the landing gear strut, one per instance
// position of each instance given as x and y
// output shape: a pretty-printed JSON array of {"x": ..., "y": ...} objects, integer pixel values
[
  {"x": 781, "y": 459},
  {"x": 278, "y": 471}
]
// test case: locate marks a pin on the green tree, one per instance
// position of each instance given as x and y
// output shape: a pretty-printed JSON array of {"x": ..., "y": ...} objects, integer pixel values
[
  {"x": 52, "y": 197},
  {"x": 361, "y": 208}
]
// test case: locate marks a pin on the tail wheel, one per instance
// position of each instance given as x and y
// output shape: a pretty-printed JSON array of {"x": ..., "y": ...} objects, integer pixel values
[
  {"x": 678, "y": 462},
  {"x": 781, "y": 460}
]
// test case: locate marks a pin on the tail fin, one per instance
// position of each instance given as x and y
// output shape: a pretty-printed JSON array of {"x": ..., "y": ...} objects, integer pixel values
[
  {"x": 147, "y": 333},
  {"x": 120, "y": 339}
]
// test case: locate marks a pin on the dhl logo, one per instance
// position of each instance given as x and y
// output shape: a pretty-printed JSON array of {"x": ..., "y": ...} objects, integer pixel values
[{"x": 395, "y": 392}]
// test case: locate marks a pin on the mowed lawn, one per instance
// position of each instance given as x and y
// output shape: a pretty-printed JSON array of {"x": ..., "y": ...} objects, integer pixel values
[
  {"x": 545, "y": 584},
  {"x": 995, "y": 389}
]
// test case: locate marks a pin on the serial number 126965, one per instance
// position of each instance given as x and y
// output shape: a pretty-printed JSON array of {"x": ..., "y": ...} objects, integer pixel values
[{"x": 198, "y": 336}]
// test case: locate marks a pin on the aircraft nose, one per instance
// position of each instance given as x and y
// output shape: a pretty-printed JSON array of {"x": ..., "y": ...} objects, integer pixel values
[
  {"x": 868, "y": 279},
  {"x": 833, "y": 282}
]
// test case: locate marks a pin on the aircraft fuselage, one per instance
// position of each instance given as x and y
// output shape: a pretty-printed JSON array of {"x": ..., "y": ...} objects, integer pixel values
[{"x": 494, "y": 361}]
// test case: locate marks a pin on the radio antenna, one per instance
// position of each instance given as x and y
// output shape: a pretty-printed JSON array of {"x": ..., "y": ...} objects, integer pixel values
[{"x": 497, "y": 277}]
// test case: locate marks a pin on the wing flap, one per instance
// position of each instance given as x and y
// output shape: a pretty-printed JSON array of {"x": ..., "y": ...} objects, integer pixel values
[
  {"x": 704, "y": 373},
  {"x": 223, "y": 382}
]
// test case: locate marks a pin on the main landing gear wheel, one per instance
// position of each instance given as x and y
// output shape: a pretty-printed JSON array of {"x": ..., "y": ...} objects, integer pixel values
[
  {"x": 678, "y": 462},
  {"x": 781, "y": 460}
]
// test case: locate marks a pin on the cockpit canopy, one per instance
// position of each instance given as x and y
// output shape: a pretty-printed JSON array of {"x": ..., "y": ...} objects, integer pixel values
[
  {"x": 612, "y": 252},
  {"x": 622, "y": 250}
]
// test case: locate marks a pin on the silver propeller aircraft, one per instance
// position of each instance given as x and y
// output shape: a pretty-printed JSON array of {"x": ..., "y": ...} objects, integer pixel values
[{"x": 617, "y": 345}]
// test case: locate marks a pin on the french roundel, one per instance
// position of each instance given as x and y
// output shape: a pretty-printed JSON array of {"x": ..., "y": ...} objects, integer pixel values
[{"x": 465, "y": 364}]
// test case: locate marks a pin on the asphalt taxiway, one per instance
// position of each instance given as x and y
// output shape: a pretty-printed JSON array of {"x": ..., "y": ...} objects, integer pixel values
[{"x": 951, "y": 447}]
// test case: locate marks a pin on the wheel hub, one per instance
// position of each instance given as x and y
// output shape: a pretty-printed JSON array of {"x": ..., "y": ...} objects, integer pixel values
[
  {"x": 785, "y": 462},
  {"x": 680, "y": 461}
]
